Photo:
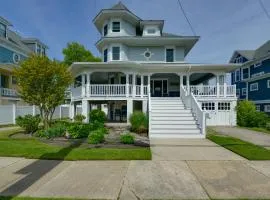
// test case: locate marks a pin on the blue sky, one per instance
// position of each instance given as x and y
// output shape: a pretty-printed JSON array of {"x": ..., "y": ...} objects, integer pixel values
[{"x": 224, "y": 26}]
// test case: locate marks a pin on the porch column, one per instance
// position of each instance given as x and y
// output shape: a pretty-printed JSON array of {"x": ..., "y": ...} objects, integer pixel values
[
  {"x": 142, "y": 80},
  {"x": 246, "y": 90},
  {"x": 85, "y": 110},
  {"x": 148, "y": 84},
  {"x": 83, "y": 85},
  {"x": 71, "y": 110},
  {"x": 127, "y": 85},
  {"x": 88, "y": 83},
  {"x": 217, "y": 84},
  {"x": 129, "y": 109},
  {"x": 133, "y": 85},
  {"x": 188, "y": 85},
  {"x": 180, "y": 83},
  {"x": 144, "y": 106}
]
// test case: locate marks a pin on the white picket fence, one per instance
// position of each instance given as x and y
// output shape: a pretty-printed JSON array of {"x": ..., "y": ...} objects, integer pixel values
[{"x": 8, "y": 113}]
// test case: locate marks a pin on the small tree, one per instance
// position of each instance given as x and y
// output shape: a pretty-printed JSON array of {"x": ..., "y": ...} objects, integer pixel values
[
  {"x": 75, "y": 52},
  {"x": 43, "y": 82}
]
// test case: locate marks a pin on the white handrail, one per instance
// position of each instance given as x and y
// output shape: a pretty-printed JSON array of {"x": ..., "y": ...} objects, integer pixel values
[
  {"x": 8, "y": 92},
  {"x": 149, "y": 112},
  {"x": 213, "y": 90},
  {"x": 191, "y": 102}
]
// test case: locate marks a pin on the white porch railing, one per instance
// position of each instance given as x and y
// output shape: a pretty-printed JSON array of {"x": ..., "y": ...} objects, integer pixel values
[
  {"x": 191, "y": 102},
  {"x": 138, "y": 90},
  {"x": 107, "y": 90},
  {"x": 7, "y": 92},
  {"x": 213, "y": 90}
]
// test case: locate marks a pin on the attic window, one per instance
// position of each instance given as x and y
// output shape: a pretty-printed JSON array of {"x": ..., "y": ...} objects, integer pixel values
[
  {"x": 116, "y": 27},
  {"x": 151, "y": 31}
]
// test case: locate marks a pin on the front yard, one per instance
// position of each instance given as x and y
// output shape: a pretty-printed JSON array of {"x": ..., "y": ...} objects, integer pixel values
[
  {"x": 247, "y": 150},
  {"x": 31, "y": 147}
]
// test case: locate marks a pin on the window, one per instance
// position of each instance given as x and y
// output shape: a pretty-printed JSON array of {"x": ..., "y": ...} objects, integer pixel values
[
  {"x": 208, "y": 106},
  {"x": 238, "y": 92},
  {"x": 224, "y": 106},
  {"x": 169, "y": 55},
  {"x": 257, "y": 74},
  {"x": 258, "y": 108},
  {"x": 254, "y": 87},
  {"x": 258, "y": 64},
  {"x": 268, "y": 83},
  {"x": 239, "y": 59},
  {"x": 105, "y": 55},
  {"x": 105, "y": 30},
  {"x": 245, "y": 73},
  {"x": 244, "y": 91},
  {"x": 116, "y": 27},
  {"x": 3, "y": 30},
  {"x": 151, "y": 31},
  {"x": 16, "y": 58},
  {"x": 237, "y": 75},
  {"x": 267, "y": 108},
  {"x": 116, "y": 53}
]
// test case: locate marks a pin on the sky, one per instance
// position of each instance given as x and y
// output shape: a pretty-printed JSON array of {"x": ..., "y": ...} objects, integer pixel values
[{"x": 223, "y": 25}]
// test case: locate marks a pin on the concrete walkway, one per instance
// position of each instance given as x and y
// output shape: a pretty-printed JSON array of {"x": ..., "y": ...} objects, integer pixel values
[
  {"x": 254, "y": 137},
  {"x": 213, "y": 173}
]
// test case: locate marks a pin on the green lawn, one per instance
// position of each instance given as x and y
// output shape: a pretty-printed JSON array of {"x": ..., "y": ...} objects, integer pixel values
[
  {"x": 34, "y": 198},
  {"x": 33, "y": 148},
  {"x": 243, "y": 148}
]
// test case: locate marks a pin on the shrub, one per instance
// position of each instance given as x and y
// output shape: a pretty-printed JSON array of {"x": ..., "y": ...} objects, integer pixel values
[
  {"x": 97, "y": 116},
  {"x": 29, "y": 123},
  {"x": 78, "y": 130},
  {"x": 57, "y": 130},
  {"x": 96, "y": 137},
  {"x": 139, "y": 122},
  {"x": 127, "y": 139},
  {"x": 267, "y": 126},
  {"x": 79, "y": 118},
  {"x": 247, "y": 115}
]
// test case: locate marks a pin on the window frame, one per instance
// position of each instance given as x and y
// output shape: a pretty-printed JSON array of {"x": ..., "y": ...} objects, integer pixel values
[
  {"x": 116, "y": 31},
  {"x": 242, "y": 74},
  {"x": 257, "y": 64},
  {"x": 266, "y": 108},
  {"x": 268, "y": 83},
  {"x": 114, "y": 53},
  {"x": 258, "y": 106},
  {"x": 171, "y": 48},
  {"x": 235, "y": 74},
  {"x": 106, "y": 25},
  {"x": 106, "y": 49},
  {"x": 250, "y": 87},
  {"x": 244, "y": 93},
  {"x": 209, "y": 106}
]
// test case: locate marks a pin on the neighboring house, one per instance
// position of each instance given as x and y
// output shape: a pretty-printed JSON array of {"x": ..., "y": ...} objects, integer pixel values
[
  {"x": 144, "y": 68},
  {"x": 13, "y": 49},
  {"x": 252, "y": 79}
]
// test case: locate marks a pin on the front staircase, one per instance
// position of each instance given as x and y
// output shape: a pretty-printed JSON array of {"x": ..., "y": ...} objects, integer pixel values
[{"x": 171, "y": 119}]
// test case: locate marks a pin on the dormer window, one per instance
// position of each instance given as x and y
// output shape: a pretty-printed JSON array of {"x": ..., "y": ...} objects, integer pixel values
[
  {"x": 116, "y": 27},
  {"x": 3, "y": 30},
  {"x": 105, "y": 30},
  {"x": 116, "y": 53},
  {"x": 169, "y": 55}
]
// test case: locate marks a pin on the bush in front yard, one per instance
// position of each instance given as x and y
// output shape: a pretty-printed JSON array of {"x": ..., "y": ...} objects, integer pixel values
[
  {"x": 78, "y": 130},
  {"x": 247, "y": 115},
  {"x": 97, "y": 116},
  {"x": 127, "y": 139},
  {"x": 96, "y": 137},
  {"x": 139, "y": 122},
  {"x": 29, "y": 123},
  {"x": 58, "y": 130},
  {"x": 79, "y": 118}
]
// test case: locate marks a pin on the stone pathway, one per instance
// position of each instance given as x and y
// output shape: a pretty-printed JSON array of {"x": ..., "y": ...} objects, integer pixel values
[
  {"x": 246, "y": 135},
  {"x": 186, "y": 169}
]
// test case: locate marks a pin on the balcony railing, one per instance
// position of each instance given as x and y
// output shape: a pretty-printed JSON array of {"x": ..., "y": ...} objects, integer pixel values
[
  {"x": 213, "y": 90},
  {"x": 7, "y": 92}
]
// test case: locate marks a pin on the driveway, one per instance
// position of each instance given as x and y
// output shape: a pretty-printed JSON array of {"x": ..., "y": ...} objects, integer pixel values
[{"x": 254, "y": 137}]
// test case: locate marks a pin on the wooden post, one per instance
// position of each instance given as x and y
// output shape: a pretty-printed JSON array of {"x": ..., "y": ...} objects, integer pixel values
[
  {"x": 83, "y": 85},
  {"x": 142, "y": 80},
  {"x": 133, "y": 84},
  {"x": 127, "y": 85}
]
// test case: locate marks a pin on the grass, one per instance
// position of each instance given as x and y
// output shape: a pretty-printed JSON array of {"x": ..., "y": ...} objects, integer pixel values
[
  {"x": 242, "y": 148},
  {"x": 33, "y": 198},
  {"x": 33, "y": 148}
]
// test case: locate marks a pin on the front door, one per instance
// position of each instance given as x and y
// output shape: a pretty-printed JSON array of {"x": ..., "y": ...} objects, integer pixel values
[{"x": 159, "y": 88}]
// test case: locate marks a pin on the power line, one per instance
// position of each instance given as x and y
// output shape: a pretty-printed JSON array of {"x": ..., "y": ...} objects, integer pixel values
[
  {"x": 184, "y": 13},
  {"x": 264, "y": 9}
]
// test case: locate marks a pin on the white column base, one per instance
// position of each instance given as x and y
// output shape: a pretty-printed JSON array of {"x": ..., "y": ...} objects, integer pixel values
[
  {"x": 129, "y": 109},
  {"x": 144, "y": 106},
  {"x": 85, "y": 110}
]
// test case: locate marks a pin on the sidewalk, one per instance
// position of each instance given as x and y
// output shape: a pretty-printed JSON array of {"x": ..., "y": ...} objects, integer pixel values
[{"x": 246, "y": 135}]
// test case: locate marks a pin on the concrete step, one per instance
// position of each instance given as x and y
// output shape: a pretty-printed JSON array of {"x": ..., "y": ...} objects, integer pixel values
[
  {"x": 174, "y": 126},
  {"x": 172, "y": 122},
  {"x": 173, "y": 119},
  {"x": 175, "y": 131},
  {"x": 171, "y": 115},
  {"x": 175, "y": 136},
  {"x": 168, "y": 106},
  {"x": 171, "y": 111}
]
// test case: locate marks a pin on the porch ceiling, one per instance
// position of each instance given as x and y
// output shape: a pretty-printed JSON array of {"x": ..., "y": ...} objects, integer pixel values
[{"x": 126, "y": 66}]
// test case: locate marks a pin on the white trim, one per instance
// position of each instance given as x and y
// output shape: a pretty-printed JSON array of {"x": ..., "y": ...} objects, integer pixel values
[
  {"x": 261, "y": 101},
  {"x": 242, "y": 74},
  {"x": 257, "y": 64},
  {"x": 254, "y": 89},
  {"x": 119, "y": 26},
  {"x": 106, "y": 24},
  {"x": 120, "y": 57},
  {"x": 165, "y": 53},
  {"x": 19, "y": 58},
  {"x": 12, "y": 49},
  {"x": 244, "y": 93},
  {"x": 235, "y": 80},
  {"x": 268, "y": 83}
]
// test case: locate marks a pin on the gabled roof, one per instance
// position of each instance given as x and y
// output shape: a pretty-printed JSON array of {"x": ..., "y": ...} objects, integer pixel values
[
  {"x": 262, "y": 51},
  {"x": 119, "y": 6}
]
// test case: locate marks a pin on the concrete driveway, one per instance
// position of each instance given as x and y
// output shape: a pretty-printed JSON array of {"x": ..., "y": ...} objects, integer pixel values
[{"x": 211, "y": 172}]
